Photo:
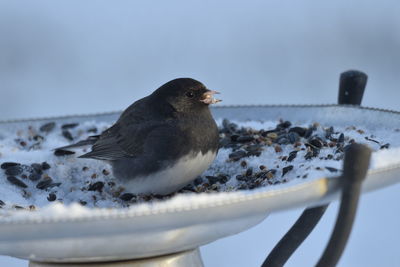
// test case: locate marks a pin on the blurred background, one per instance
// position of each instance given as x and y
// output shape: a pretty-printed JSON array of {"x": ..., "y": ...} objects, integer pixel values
[{"x": 72, "y": 57}]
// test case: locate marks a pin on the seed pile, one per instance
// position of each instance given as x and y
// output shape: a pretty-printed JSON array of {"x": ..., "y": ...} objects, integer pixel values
[{"x": 249, "y": 157}]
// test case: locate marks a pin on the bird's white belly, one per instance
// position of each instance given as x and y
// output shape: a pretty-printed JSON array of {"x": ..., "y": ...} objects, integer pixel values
[{"x": 174, "y": 177}]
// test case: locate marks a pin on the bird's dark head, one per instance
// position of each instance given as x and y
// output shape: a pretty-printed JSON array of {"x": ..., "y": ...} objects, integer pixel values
[{"x": 186, "y": 95}]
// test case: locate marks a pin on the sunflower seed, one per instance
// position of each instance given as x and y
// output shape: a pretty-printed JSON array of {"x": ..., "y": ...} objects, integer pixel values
[
  {"x": 249, "y": 171},
  {"x": 127, "y": 196},
  {"x": 292, "y": 155},
  {"x": 299, "y": 130},
  {"x": 37, "y": 168},
  {"x": 7, "y": 165},
  {"x": 67, "y": 134},
  {"x": 331, "y": 169},
  {"x": 45, "y": 166},
  {"x": 244, "y": 139},
  {"x": 97, "y": 186},
  {"x": 69, "y": 126},
  {"x": 235, "y": 156},
  {"x": 61, "y": 152},
  {"x": 15, "y": 181},
  {"x": 42, "y": 185},
  {"x": 14, "y": 170},
  {"x": 48, "y": 127},
  {"x": 35, "y": 176},
  {"x": 286, "y": 169}
]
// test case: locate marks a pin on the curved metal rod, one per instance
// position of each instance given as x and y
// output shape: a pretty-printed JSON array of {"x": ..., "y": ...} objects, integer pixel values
[
  {"x": 294, "y": 237},
  {"x": 354, "y": 172},
  {"x": 351, "y": 89}
]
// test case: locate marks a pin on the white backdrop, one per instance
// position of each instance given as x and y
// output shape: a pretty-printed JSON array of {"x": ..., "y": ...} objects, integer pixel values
[{"x": 70, "y": 57}]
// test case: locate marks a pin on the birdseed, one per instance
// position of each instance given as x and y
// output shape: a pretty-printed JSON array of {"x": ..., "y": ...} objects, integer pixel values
[{"x": 268, "y": 154}]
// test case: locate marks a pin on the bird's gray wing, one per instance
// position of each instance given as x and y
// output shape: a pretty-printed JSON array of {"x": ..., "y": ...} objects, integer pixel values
[{"x": 122, "y": 141}]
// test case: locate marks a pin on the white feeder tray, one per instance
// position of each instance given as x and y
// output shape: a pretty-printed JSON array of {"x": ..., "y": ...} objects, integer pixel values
[{"x": 188, "y": 221}]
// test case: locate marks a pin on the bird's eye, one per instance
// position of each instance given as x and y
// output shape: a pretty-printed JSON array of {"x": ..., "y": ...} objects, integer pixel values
[{"x": 190, "y": 94}]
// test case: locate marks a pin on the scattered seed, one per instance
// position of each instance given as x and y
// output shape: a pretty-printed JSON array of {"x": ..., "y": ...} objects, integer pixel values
[
  {"x": 270, "y": 174},
  {"x": 15, "y": 181},
  {"x": 37, "y": 168},
  {"x": 249, "y": 172},
  {"x": 309, "y": 132},
  {"x": 341, "y": 138},
  {"x": 293, "y": 137},
  {"x": 67, "y": 134},
  {"x": 316, "y": 142},
  {"x": 45, "y": 166},
  {"x": 52, "y": 197},
  {"x": 38, "y": 138},
  {"x": 223, "y": 178},
  {"x": 212, "y": 179},
  {"x": 14, "y": 170},
  {"x": 48, "y": 127},
  {"x": 278, "y": 148},
  {"x": 292, "y": 155},
  {"x": 7, "y": 165},
  {"x": 284, "y": 125},
  {"x": 331, "y": 169},
  {"x": 35, "y": 176},
  {"x": 54, "y": 185},
  {"x": 198, "y": 181},
  {"x": 42, "y": 185},
  {"x": 92, "y": 130},
  {"x": 97, "y": 186},
  {"x": 237, "y": 155},
  {"x": 23, "y": 143},
  {"x": 244, "y": 139},
  {"x": 272, "y": 135},
  {"x": 69, "y": 126},
  {"x": 385, "y": 146},
  {"x": 372, "y": 140},
  {"x": 61, "y": 152},
  {"x": 299, "y": 130},
  {"x": 127, "y": 196},
  {"x": 286, "y": 169}
]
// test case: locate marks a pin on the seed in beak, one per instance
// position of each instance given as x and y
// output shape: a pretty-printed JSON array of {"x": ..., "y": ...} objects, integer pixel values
[{"x": 208, "y": 97}]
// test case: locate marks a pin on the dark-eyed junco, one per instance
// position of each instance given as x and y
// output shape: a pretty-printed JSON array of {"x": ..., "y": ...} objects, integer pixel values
[{"x": 161, "y": 142}]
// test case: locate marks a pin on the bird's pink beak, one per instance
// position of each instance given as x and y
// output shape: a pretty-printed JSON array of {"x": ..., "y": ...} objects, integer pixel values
[{"x": 208, "y": 97}]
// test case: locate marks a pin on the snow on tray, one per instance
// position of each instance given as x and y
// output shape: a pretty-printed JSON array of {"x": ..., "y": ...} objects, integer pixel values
[{"x": 254, "y": 155}]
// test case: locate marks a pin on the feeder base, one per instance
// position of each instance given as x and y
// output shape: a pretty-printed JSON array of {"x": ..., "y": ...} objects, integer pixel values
[{"x": 181, "y": 259}]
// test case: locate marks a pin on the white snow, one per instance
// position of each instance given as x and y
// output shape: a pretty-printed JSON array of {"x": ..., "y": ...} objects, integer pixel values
[{"x": 75, "y": 174}]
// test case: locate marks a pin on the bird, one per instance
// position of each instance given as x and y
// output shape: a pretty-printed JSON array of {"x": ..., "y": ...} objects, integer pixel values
[{"x": 161, "y": 142}]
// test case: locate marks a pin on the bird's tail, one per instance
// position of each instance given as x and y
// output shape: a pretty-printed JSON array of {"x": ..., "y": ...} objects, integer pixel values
[{"x": 89, "y": 141}]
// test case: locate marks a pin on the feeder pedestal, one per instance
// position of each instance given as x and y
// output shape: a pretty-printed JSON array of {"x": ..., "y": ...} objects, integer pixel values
[{"x": 182, "y": 259}]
